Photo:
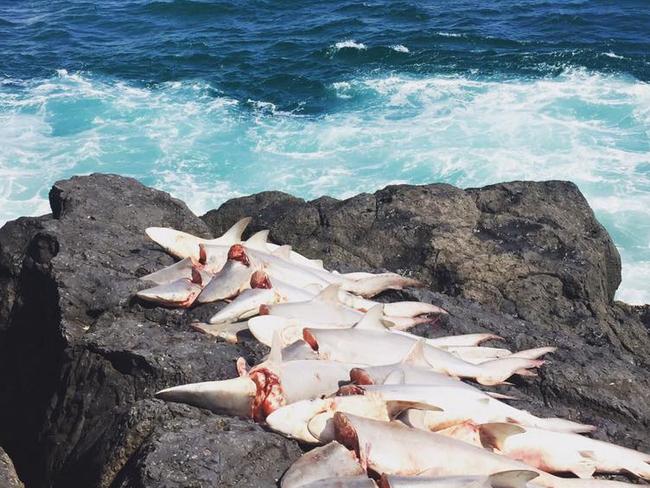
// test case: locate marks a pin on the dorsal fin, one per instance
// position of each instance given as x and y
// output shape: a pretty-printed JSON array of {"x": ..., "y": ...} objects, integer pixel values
[
  {"x": 416, "y": 357},
  {"x": 396, "y": 407},
  {"x": 258, "y": 240},
  {"x": 517, "y": 478},
  {"x": 493, "y": 434},
  {"x": 372, "y": 320},
  {"x": 329, "y": 294},
  {"x": 283, "y": 252},
  {"x": 275, "y": 356},
  {"x": 233, "y": 235}
]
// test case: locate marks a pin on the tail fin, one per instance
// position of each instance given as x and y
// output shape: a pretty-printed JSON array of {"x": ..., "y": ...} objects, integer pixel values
[
  {"x": 499, "y": 370},
  {"x": 178, "y": 243},
  {"x": 411, "y": 309},
  {"x": 369, "y": 287},
  {"x": 641, "y": 469},
  {"x": 536, "y": 353}
]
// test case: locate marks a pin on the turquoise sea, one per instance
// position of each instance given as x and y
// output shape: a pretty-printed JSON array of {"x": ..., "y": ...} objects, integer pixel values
[{"x": 214, "y": 99}]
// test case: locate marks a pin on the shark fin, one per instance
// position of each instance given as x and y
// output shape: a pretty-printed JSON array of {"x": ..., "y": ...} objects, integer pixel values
[
  {"x": 275, "y": 356},
  {"x": 283, "y": 252},
  {"x": 258, "y": 240},
  {"x": 415, "y": 357},
  {"x": 372, "y": 320},
  {"x": 396, "y": 407},
  {"x": 517, "y": 478},
  {"x": 493, "y": 434},
  {"x": 329, "y": 294},
  {"x": 233, "y": 235}
]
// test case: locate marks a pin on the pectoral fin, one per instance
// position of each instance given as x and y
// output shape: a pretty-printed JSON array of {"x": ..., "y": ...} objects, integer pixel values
[
  {"x": 493, "y": 435},
  {"x": 517, "y": 478},
  {"x": 396, "y": 407}
]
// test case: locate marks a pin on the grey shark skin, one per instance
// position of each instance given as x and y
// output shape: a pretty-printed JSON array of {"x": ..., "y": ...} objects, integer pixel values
[
  {"x": 395, "y": 449},
  {"x": 330, "y": 461}
]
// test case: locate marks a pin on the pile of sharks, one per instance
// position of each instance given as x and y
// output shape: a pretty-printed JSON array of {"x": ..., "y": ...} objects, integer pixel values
[{"x": 382, "y": 406}]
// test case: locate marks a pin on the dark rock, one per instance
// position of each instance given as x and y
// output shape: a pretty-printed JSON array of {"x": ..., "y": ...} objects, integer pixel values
[
  {"x": 193, "y": 449},
  {"x": 8, "y": 476},
  {"x": 80, "y": 359},
  {"x": 77, "y": 351}
]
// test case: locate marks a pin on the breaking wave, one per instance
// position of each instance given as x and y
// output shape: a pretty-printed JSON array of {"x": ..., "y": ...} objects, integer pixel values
[{"x": 203, "y": 147}]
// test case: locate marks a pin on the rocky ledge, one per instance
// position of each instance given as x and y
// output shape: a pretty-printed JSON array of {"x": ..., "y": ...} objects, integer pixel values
[{"x": 80, "y": 359}]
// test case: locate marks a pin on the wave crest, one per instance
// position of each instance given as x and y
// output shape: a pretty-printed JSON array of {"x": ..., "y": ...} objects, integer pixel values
[{"x": 189, "y": 139}]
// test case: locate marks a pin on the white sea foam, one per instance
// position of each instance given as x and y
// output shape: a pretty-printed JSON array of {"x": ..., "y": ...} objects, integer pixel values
[
  {"x": 400, "y": 48},
  {"x": 349, "y": 44},
  {"x": 591, "y": 128},
  {"x": 613, "y": 55}
]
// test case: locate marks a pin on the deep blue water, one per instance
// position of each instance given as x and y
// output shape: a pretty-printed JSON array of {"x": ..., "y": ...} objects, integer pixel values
[{"x": 209, "y": 100}]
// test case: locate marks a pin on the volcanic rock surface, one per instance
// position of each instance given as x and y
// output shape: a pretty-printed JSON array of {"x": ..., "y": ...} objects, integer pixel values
[{"x": 80, "y": 359}]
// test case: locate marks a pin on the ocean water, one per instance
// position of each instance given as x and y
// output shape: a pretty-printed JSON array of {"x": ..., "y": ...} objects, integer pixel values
[{"x": 214, "y": 99}]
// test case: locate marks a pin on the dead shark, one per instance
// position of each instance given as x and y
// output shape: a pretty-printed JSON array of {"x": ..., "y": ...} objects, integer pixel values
[
  {"x": 179, "y": 293},
  {"x": 395, "y": 449},
  {"x": 458, "y": 405},
  {"x": 563, "y": 452},
  {"x": 266, "y": 387},
  {"x": 373, "y": 345},
  {"x": 184, "y": 245}
]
